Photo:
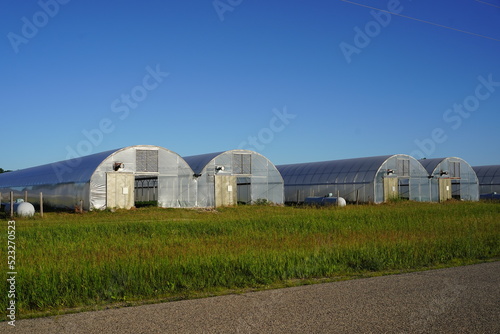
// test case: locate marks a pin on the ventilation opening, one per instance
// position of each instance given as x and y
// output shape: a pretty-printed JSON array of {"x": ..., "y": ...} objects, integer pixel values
[
  {"x": 242, "y": 164},
  {"x": 146, "y": 161},
  {"x": 403, "y": 167},
  {"x": 454, "y": 169}
]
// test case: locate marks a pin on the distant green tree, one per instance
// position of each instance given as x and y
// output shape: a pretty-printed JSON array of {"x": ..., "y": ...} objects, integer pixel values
[{"x": 4, "y": 171}]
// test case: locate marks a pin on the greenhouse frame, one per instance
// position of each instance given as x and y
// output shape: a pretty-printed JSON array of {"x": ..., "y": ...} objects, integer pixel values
[
  {"x": 364, "y": 180},
  {"x": 451, "y": 177},
  {"x": 489, "y": 179},
  {"x": 235, "y": 176},
  {"x": 111, "y": 179}
]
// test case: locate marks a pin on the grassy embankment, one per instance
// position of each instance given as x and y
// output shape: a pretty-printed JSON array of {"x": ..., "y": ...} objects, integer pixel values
[{"x": 90, "y": 260}]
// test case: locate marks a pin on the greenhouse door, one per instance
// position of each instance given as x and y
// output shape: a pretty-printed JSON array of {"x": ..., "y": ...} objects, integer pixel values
[
  {"x": 244, "y": 190},
  {"x": 146, "y": 189},
  {"x": 390, "y": 188},
  {"x": 444, "y": 189},
  {"x": 225, "y": 190},
  {"x": 119, "y": 190}
]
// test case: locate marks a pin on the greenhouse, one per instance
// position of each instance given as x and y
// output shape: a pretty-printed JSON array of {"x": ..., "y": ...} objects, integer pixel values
[
  {"x": 111, "y": 179},
  {"x": 363, "y": 180},
  {"x": 489, "y": 180},
  {"x": 451, "y": 178},
  {"x": 236, "y": 176}
]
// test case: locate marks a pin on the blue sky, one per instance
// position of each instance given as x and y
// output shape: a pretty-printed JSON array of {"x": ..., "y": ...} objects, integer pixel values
[{"x": 296, "y": 81}]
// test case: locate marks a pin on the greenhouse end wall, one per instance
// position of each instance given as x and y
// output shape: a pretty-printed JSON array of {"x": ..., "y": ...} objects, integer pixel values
[
  {"x": 255, "y": 177},
  {"x": 176, "y": 185},
  {"x": 453, "y": 175}
]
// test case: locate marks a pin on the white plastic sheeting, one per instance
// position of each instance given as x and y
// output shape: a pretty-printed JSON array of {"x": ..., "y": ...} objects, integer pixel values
[
  {"x": 360, "y": 179},
  {"x": 489, "y": 179},
  {"x": 256, "y": 177},
  {"x": 67, "y": 183},
  {"x": 462, "y": 178}
]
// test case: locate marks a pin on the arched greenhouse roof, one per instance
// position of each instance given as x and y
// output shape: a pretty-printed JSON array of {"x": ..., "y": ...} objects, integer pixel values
[
  {"x": 78, "y": 170},
  {"x": 488, "y": 175},
  {"x": 431, "y": 164},
  {"x": 247, "y": 176},
  {"x": 455, "y": 167},
  {"x": 359, "y": 170},
  {"x": 198, "y": 162}
]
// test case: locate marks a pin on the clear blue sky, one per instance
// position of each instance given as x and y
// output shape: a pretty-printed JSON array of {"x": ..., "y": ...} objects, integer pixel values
[{"x": 296, "y": 81}]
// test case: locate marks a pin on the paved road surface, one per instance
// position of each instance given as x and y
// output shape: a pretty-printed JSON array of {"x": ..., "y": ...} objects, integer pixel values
[{"x": 455, "y": 300}]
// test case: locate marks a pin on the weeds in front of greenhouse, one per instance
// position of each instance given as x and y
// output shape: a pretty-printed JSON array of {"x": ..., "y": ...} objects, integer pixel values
[{"x": 85, "y": 261}]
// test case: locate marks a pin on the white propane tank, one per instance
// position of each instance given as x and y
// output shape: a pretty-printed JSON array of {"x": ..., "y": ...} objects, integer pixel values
[
  {"x": 25, "y": 209},
  {"x": 338, "y": 201},
  {"x": 334, "y": 201},
  {"x": 21, "y": 208}
]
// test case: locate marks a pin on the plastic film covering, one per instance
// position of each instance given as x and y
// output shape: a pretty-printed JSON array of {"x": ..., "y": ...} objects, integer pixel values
[
  {"x": 66, "y": 184},
  {"x": 256, "y": 177},
  {"x": 463, "y": 179},
  {"x": 176, "y": 186},
  {"x": 489, "y": 179},
  {"x": 356, "y": 180}
]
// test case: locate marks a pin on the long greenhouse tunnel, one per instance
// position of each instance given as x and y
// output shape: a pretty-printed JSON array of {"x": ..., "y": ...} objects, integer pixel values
[{"x": 359, "y": 180}]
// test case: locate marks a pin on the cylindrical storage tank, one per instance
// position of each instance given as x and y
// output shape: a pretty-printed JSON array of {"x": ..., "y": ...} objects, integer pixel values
[
  {"x": 338, "y": 201},
  {"x": 25, "y": 209},
  {"x": 21, "y": 208},
  {"x": 492, "y": 196},
  {"x": 16, "y": 204},
  {"x": 323, "y": 201},
  {"x": 313, "y": 200}
]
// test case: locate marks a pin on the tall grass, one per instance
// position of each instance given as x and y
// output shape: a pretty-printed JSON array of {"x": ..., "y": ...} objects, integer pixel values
[{"x": 77, "y": 260}]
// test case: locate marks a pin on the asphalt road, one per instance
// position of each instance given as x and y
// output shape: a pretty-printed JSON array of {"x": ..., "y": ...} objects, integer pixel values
[{"x": 456, "y": 300}]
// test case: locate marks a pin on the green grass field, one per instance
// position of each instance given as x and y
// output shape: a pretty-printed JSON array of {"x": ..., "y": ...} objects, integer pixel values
[{"x": 68, "y": 261}]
